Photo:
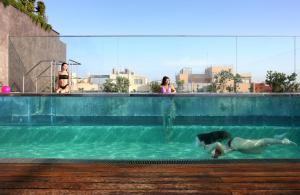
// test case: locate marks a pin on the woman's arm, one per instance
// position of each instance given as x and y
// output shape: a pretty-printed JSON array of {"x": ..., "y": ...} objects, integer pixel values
[
  {"x": 218, "y": 145},
  {"x": 211, "y": 147},
  {"x": 173, "y": 90},
  {"x": 58, "y": 81},
  {"x": 70, "y": 81}
]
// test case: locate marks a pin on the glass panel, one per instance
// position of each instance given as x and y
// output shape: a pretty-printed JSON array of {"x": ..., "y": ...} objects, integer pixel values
[{"x": 257, "y": 55}]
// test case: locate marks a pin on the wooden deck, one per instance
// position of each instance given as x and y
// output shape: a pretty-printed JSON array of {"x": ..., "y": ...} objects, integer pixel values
[{"x": 102, "y": 178}]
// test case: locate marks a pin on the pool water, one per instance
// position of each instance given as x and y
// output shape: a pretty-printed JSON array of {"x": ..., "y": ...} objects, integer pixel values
[
  {"x": 142, "y": 126},
  {"x": 134, "y": 142}
]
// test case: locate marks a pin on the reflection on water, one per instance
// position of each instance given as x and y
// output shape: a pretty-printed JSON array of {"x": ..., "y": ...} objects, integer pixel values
[{"x": 169, "y": 113}]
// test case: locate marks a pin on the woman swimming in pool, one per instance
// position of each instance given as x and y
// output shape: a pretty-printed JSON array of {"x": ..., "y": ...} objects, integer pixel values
[
  {"x": 63, "y": 79},
  {"x": 245, "y": 145}
]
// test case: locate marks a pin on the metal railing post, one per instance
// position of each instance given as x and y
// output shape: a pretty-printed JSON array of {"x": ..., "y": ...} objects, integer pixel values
[
  {"x": 295, "y": 54},
  {"x": 51, "y": 66},
  {"x": 36, "y": 84},
  {"x": 236, "y": 55},
  {"x": 23, "y": 83}
]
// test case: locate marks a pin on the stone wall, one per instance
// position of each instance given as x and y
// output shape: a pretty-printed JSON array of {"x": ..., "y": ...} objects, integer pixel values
[{"x": 23, "y": 44}]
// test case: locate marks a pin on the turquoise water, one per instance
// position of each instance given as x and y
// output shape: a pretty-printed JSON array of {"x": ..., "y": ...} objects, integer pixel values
[
  {"x": 132, "y": 142},
  {"x": 142, "y": 127}
]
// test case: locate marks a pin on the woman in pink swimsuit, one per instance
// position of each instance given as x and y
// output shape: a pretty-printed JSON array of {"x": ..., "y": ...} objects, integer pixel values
[{"x": 166, "y": 87}]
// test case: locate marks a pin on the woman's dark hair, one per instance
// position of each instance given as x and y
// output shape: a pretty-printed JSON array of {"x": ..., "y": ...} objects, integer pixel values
[
  {"x": 63, "y": 65},
  {"x": 164, "y": 80}
]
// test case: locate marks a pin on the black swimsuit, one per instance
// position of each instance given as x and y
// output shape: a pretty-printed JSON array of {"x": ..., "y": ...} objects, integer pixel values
[
  {"x": 229, "y": 143},
  {"x": 63, "y": 87},
  {"x": 63, "y": 76}
]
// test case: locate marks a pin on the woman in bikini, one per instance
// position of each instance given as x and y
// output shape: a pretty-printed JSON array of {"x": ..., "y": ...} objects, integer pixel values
[
  {"x": 63, "y": 79},
  {"x": 165, "y": 86},
  {"x": 245, "y": 145}
]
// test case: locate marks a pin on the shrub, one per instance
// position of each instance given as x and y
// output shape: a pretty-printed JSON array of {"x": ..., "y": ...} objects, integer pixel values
[
  {"x": 6, "y": 3},
  {"x": 109, "y": 86},
  {"x": 41, "y": 8},
  {"x": 122, "y": 84},
  {"x": 280, "y": 82},
  {"x": 155, "y": 87},
  {"x": 27, "y": 7},
  {"x": 30, "y": 6}
]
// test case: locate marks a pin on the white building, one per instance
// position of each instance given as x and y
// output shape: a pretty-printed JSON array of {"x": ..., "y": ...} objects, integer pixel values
[{"x": 137, "y": 83}]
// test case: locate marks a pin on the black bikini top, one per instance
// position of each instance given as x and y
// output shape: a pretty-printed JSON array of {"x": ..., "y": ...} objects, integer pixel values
[
  {"x": 229, "y": 143},
  {"x": 63, "y": 76}
]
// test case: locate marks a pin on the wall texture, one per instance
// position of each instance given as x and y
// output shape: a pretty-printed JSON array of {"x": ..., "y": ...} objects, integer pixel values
[{"x": 23, "y": 44}]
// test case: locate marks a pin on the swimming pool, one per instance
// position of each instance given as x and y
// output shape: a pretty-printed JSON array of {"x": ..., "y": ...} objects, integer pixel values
[{"x": 142, "y": 126}]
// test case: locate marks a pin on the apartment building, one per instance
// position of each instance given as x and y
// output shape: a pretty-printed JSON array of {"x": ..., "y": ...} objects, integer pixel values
[{"x": 200, "y": 82}]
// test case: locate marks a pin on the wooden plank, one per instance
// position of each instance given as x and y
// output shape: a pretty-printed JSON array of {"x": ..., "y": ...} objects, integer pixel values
[
  {"x": 110, "y": 192},
  {"x": 51, "y": 168},
  {"x": 93, "y": 178},
  {"x": 261, "y": 179},
  {"x": 152, "y": 169},
  {"x": 124, "y": 186},
  {"x": 198, "y": 173},
  {"x": 145, "y": 166},
  {"x": 113, "y": 179},
  {"x": 266, "y": 192}
]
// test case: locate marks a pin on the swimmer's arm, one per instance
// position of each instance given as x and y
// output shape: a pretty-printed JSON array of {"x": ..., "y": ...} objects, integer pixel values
[
  {"x": 215, "y": 145},
  {"x": 227, "y": 150},
  {"x": 211, "y": 147},
  {"x": 200, "y": 143}
]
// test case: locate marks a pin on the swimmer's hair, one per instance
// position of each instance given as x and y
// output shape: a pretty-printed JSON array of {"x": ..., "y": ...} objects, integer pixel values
[{"x": 211, "y": 137}]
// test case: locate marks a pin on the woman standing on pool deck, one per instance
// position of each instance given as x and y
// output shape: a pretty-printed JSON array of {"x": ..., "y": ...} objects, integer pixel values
[
  {"x": 166, "y": 87},
  {"x": 245, "y": 145},
  {"x": 63, "y": 79}
]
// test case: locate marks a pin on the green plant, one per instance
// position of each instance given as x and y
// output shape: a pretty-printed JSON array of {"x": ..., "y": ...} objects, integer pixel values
[
  {"x": 6, "y": 3},
  {"x": 41, "y": 8},
  {"x": 180, "y": 84},
  {"x": 155, "y": 87},
  {"x": 212, "y": 88},
  {"x": 222, "y": 83},
  {"x": 27, "y": 7},
  {"x": 30, "y": 6},
  {"x": 109, "y": 86},
  {"x": 251, "y": 89},
  {"x": 123, "y": 85},
  {"x": 280, "y": 82},
  {"x": 236, "y": 79},
  {"x": 24, "y": 2},
  {"x": 221, "y": 79}
]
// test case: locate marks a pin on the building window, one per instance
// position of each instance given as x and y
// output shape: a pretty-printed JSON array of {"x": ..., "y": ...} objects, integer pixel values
[
  {"x": 138, "y": 81},
  {"x": 245, "y": 81}
]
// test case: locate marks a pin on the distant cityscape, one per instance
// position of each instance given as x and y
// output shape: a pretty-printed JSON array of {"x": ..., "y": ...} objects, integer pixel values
[{"x": 185, "y": 81}]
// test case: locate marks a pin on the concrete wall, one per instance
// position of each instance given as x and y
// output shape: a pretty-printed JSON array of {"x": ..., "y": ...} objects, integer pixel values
[{"x": 19, "y": 53}]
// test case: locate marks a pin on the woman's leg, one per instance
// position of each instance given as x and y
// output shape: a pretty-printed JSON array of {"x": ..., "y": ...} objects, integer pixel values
[
  {"x": 58, "y": 90},
  {"x": 273, "y": 141}
]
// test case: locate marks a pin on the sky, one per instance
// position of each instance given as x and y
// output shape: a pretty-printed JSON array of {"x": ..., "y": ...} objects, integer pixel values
[{"x": 158, "y": 56}]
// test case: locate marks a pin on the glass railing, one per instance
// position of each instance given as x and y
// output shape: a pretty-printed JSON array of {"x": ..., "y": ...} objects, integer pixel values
[
  {"x": 34, "y": 61},
  {"x": 201, "y": 109}
]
